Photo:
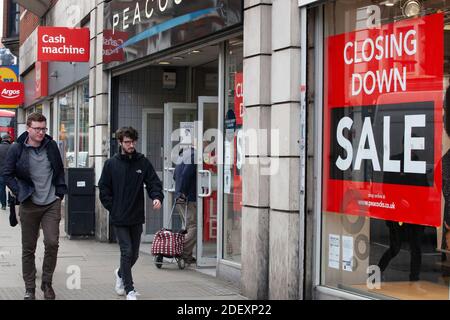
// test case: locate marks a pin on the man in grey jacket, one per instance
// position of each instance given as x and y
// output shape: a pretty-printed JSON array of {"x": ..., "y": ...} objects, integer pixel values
[{"x": 34, "y": 173}]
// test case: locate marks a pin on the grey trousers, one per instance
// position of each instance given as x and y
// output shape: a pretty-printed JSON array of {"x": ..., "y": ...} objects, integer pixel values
[
  {"x": 31, "y": 218},
  {"x": 190, "y": 239}
]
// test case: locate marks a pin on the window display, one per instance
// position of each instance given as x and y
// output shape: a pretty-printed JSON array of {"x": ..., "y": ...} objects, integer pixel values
[
  {"x": 233, "y": 151},
  {"x": 385, "y": 174},
  {"x": 73, "y": 137}
]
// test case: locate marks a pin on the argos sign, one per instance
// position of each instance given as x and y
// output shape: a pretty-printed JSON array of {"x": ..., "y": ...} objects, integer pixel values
[
  {"x": 11, "y": 93},
  {"x": 383, "y": 121}
]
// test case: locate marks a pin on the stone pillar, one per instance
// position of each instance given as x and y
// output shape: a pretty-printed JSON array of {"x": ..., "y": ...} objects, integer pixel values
[
  {"x": 285, "y": 157},
  {"x": 98, "y": 113},
  {"x": 255, "y": 211}
]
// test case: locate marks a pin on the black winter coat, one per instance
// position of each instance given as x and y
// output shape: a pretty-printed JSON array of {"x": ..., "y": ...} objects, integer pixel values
[
  {"x": 122, "y": 188},
  {"x": 16, "y": 170}
]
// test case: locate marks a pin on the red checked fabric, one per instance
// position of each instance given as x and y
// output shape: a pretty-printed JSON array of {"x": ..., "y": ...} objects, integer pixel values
[{"x": 167, "y": 243}]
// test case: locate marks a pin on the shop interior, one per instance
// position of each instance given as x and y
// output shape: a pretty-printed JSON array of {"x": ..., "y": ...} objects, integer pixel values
[{"x": 168, "y": 100}]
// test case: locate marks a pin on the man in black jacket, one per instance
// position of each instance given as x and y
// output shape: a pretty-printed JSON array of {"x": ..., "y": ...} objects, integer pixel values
[
  {"x": 122, "y": 194},
  {"x": 34, "y": 173}
]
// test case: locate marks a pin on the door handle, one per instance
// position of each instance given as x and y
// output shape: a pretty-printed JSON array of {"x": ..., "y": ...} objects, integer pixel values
[{"x": 209, "y": 191}]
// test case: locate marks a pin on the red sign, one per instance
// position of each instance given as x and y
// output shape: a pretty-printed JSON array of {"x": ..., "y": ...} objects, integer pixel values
[
  {"x": 41, "y": 85},
  {"x": 238, "y": 140},
  {"x": 11, "y": 93},
  {"x": 238, "y": 163},
  {"x": 239, "y": 97},
  {"x": 63, "y": 44},
  {"x": 111, "y": 43},
  {"x": 383, "y": 121}
]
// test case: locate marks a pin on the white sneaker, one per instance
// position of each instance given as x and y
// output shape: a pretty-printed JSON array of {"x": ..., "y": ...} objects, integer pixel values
[
  {"x": 132, "y": 295},
  {"x": 120, "y": 290}
]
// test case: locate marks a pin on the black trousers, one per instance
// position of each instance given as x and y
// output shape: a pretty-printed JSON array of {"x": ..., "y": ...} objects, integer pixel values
[
  {"x": 129, "y": 238},
  {"x": 414, "y": 234}
]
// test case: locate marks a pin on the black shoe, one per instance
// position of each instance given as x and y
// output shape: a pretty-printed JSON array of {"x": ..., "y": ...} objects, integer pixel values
[
  {"x": 29, "y": 294},
  {"x": 49, "y": 294},
  {"x": 3, "y": 207}
]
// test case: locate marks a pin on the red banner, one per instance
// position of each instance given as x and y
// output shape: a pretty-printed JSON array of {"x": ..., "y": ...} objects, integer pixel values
[
  {"x": 11, "y": 93},
  {"x": 63, "y": 44},
  {"x": 383, "y": 121},
  {"x": 239, "y": 97},
  {"x": 238, "y": 140},
  {"x": 41, "y": 85}
]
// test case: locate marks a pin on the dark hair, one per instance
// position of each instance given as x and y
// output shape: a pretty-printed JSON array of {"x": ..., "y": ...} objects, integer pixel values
[
  {"x": 128, "y": 132},
  {"x": 37, "y": 117}
]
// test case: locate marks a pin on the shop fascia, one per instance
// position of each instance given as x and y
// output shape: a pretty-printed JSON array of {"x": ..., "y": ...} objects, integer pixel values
[{"x": 140, "y": 13}]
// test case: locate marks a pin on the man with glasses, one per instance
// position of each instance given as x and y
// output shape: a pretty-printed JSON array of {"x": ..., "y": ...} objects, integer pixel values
[
  {"x": 34, "y": 173},
  {"x": 121, "y": 188}
]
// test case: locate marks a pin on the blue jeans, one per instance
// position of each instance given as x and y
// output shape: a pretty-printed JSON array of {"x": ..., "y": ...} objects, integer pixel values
[
  {"x": 2, "y": 191},
  {"x": 129, "y": 238}
]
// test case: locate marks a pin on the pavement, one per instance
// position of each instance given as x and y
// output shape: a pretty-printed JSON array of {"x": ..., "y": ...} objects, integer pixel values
[{"x": 85, "y": 271}]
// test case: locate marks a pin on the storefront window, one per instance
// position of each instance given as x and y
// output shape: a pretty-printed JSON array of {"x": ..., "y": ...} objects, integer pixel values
[
  {"x": 67, "y": 128},
  {"x": 233, "y": 151},
  {"x": 83, "y": 126},
  {"x": 386, "y": 158}
]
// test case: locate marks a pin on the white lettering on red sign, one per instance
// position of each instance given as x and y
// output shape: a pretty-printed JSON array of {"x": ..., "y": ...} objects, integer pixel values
[
  {"x": 59, "y": 50},
  {"x": 10, "y": 94},
  {"x": 383, "y": 47}
]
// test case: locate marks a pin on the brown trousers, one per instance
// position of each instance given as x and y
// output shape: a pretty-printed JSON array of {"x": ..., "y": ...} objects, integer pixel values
[
  {"x": 190, "y": 239},
  {"x": 32, "y": 217}
]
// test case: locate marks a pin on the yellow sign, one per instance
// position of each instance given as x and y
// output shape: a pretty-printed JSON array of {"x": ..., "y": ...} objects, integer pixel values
[{"x": 7, "y": 74}]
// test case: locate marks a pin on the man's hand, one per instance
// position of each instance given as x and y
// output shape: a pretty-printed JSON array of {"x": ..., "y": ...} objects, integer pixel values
[{"x": 156, "y": 204}]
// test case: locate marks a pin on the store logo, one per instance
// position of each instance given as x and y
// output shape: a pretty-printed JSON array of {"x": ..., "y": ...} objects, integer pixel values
[
  {"x": 10, "y": 94},
  {"x": 161, "y": 6},
  {"x": 167, "y": 25}
]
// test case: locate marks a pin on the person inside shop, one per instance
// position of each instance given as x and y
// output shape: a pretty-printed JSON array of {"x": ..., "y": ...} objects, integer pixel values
[
  {"x": 185, "y": 177},
  {"x": 400, "y": 231},
  {"x": 5, "y": 143},
  {"x": 121, "y": 188}
]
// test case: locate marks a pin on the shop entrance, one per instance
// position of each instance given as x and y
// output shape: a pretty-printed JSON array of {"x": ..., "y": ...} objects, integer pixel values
[
  {"x": 208, "y": 108},
  {"x": 180, "y": 121},
  {"x": 189, "y": 125}
]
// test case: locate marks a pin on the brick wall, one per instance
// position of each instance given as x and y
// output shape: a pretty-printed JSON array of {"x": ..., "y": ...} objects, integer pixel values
[{"x": 29, "y": 22}]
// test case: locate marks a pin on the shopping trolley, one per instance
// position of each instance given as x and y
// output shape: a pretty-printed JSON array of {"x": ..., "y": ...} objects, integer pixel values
[{"x": 169, "y": 243}]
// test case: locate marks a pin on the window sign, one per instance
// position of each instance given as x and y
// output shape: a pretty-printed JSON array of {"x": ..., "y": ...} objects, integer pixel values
[{"x": 383, "y": 121}]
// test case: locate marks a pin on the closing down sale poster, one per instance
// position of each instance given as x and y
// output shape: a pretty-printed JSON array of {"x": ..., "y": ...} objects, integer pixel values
[{"x": 383, "y": 121}]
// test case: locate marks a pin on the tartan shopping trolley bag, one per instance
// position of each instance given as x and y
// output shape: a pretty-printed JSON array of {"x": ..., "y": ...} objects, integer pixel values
[{"x": 168, "y": 243}]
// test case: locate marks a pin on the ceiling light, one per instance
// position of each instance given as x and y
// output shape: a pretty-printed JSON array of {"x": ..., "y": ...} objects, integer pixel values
[
  {"x": 389, "y": 3},
  {"x": 164, "y": 62},
  {"x": 177, "y": 58},
  {"x": 196, "y": 51},
  {"x": 411, "y": 8}
]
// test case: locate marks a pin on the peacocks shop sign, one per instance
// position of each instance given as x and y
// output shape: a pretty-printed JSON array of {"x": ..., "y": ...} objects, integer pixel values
[
  {"x": 383, "y": 121},
  {"x": 143, "y": 27}
]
